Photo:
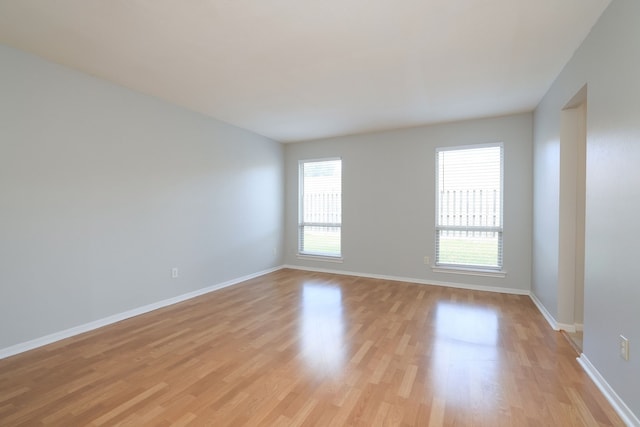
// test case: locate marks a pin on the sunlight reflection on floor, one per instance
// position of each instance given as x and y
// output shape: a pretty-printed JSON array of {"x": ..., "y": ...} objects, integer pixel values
[
  {"x": 465, "y": 353},
  {"x": 322, "y": 329}
]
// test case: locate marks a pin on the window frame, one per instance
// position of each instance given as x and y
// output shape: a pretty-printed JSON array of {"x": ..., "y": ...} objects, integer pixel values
[
  {"x": 301, "y": 254},
  {"x": 494, "y": 271}
]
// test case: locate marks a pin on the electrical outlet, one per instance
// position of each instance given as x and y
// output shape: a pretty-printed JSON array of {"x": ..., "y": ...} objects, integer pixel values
[
  {"x": 426, "y": 260},
  {"x": 174, "y": 273},
  {"x": 624, "y": 348}
]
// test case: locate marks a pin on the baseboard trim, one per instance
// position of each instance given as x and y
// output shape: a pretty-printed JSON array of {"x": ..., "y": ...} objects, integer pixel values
[
  {"x": 413, "y": 280},
  {"x": 545, "y": 313},
  {"x": 567, "y": 327},
  {"x": 80, "y": 329},
  {"x": 629, "y": 418}
]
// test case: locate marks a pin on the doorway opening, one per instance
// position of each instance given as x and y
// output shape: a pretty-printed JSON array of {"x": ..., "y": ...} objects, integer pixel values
[{"x": 573, "y": 164}]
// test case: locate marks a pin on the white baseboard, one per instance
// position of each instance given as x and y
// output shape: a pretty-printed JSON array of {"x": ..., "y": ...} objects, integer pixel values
[
  {"x": 567, "y": 327},
  {"x": 414, "y": 280},
  {"x": 555, "y": 325},
  {"x": 545, "y": 313},
  {"x": 629, "y": 418},
  {"x": 80, "y": 329}
]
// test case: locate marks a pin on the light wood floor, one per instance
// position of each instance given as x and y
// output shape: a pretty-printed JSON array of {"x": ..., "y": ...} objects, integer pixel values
[{"x": 298, "y": 348}]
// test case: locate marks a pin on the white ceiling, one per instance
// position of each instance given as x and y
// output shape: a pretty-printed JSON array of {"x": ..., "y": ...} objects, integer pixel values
[{"x": 300, "y": 69}]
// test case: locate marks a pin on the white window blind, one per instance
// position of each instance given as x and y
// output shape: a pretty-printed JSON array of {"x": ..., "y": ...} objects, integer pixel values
[
  {"x": 320, "y": 208},
  {"x": 469, "y": 194}
]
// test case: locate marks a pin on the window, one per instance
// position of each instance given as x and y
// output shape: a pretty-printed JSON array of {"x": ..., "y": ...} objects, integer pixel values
[
  {"x": 320, "y": 208},
  {"x": 469, "y": 207}
]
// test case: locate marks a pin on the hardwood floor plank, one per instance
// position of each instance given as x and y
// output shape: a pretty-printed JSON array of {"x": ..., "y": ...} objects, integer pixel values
[
  {"x": 407, "y": 381},
  {"x": 302, "y": 348}
]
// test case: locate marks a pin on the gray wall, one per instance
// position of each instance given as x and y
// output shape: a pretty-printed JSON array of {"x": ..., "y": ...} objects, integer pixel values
[
  {"x": 389, "y": 193},
  {"x": 103, "y": 191},
  {"x": 609, "y": 62}
]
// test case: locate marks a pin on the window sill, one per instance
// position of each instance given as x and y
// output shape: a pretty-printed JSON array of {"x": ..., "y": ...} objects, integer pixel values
[
  {"x": 469, "y": 271},
  {"x": 321, "y": 258}
]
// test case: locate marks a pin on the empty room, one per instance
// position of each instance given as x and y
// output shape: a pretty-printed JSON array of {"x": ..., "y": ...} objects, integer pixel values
[{"x": 337, "y": 213}]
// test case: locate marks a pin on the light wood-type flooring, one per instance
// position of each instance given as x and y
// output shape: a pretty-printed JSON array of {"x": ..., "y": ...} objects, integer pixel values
[{"x": 298, "y": 348}]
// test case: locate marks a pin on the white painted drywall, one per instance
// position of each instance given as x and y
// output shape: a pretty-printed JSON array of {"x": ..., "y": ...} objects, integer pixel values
[
  {"x": 567, "y": 217},
  {"x": 389, "y": 198},
  {"x": 104, "y": 190},
  {"x": 609, "y": 62},
  {"x": 571, "y": 216},
  {"x": 581, "y": 195}
]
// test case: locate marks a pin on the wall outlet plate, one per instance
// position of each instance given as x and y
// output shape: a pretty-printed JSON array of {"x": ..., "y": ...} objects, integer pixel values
[
  {"x": 624, "y": 347},
  {"x": 174, "y": 273}
]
